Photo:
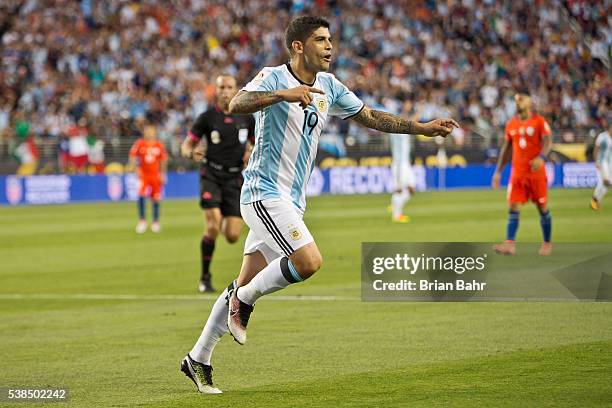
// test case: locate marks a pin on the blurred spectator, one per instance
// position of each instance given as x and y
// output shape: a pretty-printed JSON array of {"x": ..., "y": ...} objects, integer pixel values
[
  {"x": 25, "y": 150},
  {"x": 78, "y": 150},
  {"x": 117, "y": 61},
  {"x": 95, "y": 155}
]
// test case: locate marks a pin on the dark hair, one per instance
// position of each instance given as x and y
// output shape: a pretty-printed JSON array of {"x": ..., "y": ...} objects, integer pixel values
[{"x": 301, "y": 28}]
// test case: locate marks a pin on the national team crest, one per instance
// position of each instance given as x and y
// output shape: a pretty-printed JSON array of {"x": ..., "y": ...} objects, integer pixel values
[
  {"x": 322, "y": 105},
  {"x": 530, "y": 131},
  {"x": 14, "y": 189},
  {"x": 295, "y": 234}
]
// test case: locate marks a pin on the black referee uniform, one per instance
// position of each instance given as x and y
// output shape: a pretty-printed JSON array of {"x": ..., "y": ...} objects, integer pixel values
[{"x": 221, "y": 170}]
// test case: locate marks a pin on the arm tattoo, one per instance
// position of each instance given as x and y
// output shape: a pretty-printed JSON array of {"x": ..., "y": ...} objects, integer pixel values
[
  {"x": 383, "y": 121},
  {"x": 249, "y": 102}
]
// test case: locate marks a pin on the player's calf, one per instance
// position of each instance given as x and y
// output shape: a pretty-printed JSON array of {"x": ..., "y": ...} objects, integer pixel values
[{"x": 279, "y": 274}]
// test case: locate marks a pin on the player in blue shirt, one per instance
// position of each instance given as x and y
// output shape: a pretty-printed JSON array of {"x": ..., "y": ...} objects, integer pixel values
[{"x": 291, "y": 103}]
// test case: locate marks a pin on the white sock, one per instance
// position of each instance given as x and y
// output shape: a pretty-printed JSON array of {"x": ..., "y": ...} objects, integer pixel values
[
  {"x": 398, "y": 200},
  {"x": 215, "y": 327},
  {"x": 600, "y": 191},
  {"x": 279, "y": 274}
]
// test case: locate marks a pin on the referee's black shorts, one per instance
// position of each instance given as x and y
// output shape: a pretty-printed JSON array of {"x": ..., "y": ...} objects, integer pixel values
[{"x": 220, "y": 189}]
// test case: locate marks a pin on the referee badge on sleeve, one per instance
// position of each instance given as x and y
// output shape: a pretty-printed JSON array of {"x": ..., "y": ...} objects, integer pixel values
[{"x": 242, "y": 135}]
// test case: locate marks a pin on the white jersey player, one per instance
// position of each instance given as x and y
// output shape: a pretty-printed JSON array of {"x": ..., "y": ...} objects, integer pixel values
[
  {"x": 403, "y": 176},
  {"x": 401, "y": 167},
  {"x": 291, "y": 103},
  {"x": 603, "y": 160}
]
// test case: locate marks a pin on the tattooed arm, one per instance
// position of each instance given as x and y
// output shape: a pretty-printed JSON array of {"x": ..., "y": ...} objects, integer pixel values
[
  {"x": 389, "y": 123},
  {"x": 248, "y": 102}
]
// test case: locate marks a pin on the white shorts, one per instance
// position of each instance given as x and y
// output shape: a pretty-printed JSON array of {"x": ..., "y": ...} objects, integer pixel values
[
  {"x": 276, "y": 228},
  {"x": 403, "y": 176}
]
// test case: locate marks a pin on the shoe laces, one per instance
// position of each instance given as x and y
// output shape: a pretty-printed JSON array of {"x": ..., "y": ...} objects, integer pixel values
[
  {"x": 205, "y": 371},
  {"x": 230, "y": 289},
  {"x": 244, "y": 312}
]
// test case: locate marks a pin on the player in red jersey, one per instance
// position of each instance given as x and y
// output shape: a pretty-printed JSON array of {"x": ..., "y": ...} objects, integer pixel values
[
  {"x": 529, "y": 137},
  {"x": 150, "y": 156}
]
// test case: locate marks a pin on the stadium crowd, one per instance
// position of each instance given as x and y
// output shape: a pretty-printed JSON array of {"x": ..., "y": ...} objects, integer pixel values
[{"x": 103, "y": 68}]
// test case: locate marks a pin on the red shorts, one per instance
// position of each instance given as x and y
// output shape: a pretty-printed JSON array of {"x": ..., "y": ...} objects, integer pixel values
[
  {"x": 524, "y": 187},
  {"x": 150, "y": 187},
  {"x": 79, "y": 162}
]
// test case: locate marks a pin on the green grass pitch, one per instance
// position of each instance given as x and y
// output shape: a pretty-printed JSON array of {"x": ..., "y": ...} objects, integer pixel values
[{"x": 118, "y": 352}]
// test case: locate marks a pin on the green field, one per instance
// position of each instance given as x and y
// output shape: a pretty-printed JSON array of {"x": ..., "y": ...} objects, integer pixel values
[{"x": 87, "y": 304}]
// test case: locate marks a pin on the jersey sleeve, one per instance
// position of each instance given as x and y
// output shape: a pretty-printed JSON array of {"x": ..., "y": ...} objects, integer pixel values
[
  {"x": 507, "y": 135},
  {"x": 134, "y": 149},
  {"x": 345, "y": 103},
  {"x": 199, "y": 129},
  {"x": 164, "y": 153},
  {"x": 545, "y": 131},
  {"x": 266, "y": 80}
]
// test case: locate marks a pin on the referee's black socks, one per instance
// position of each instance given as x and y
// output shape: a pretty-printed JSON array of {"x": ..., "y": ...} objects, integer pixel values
[{"x": 207, "y": 247}]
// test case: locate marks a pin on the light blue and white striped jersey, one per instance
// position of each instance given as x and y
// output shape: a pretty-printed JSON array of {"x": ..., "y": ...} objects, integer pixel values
[
  {"x": 604, "y": 142},
  {"x": 287, "y": 136}
]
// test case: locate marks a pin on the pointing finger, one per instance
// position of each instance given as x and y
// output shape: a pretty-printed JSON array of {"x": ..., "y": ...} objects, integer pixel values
[
  {"x": 315, "y": 90},
  {"x": 453, "y": 123}
]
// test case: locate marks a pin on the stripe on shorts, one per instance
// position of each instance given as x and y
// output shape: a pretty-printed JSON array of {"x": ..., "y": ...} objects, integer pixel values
[
  {"x": 269, "y": 217},
  {"x": 287, "y": 251}
]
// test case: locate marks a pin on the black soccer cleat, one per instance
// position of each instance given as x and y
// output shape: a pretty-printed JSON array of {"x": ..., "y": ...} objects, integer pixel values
[
  {"x": 238, "y": 317},
  {"x": 200, "y": 374}
]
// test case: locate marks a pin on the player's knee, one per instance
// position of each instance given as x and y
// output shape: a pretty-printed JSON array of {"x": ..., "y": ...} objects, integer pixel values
[
  {"x": 311, "y": 264},
  {"x": 212, "y": 231},
  {"x": 232, "y": 237}
]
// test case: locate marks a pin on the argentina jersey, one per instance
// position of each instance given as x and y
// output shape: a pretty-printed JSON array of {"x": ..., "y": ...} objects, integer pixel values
[{"x": 287, "y": 136}]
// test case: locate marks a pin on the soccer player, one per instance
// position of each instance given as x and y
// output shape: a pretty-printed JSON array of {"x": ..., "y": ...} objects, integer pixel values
[
  {"x": 292, "y": 103},
  {"x": 401, "y": 170},
  {"x": 529, "y": 137},
  {"x": 229, "y": 140},
  {"x": 603, "y": 160},
  {"x": 149, "y": 156}
]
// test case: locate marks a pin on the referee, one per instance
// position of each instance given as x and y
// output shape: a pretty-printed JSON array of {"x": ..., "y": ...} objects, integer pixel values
[{"x": 228, "y": 143}]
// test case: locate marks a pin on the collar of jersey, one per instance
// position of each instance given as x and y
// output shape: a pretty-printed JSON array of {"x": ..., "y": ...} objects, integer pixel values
[{"x": 298, "y": 79}]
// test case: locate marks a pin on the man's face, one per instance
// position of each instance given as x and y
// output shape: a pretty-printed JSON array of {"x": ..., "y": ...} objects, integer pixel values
[
  {"x": 226, "y": 89},
  {"x": 150, "y": 133},
  {"x": 317, "y": 50},
  {"x": 523, "y": 102}
]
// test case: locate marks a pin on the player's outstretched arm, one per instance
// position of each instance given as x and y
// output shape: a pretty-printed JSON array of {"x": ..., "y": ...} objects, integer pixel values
[
  {"x": 389, "y": 123},
  {"x": 249, "y": 102},
  {"x": 502, "y": 160}
]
